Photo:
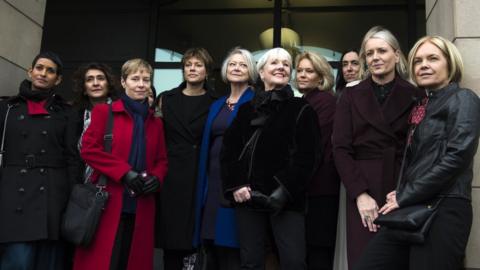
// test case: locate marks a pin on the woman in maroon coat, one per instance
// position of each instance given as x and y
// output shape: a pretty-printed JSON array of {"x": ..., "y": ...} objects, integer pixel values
[
  {"x": 369, "y": 135},
  {"x": 315, "y": 80},
  {"x": 135, "y": 168}
]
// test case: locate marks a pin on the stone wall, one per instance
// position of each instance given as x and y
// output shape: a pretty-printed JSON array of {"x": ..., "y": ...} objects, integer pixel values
[{"x": 21, "y": 27}]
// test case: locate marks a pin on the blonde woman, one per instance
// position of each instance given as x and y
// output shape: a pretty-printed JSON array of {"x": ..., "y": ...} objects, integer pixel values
[
  {"x": 438, "y": 165},
  {"x": 369, "y": 135},
  {"x": 315, "y": 80}
]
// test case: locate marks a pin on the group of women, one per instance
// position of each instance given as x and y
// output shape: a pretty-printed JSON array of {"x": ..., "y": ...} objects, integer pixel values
[{"x": 258, "y": 171}]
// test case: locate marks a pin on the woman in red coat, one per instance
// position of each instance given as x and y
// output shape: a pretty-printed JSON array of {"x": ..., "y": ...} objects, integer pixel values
[
  {"x": 135, "y": 167},
  {"x": 369, "y": 135}
]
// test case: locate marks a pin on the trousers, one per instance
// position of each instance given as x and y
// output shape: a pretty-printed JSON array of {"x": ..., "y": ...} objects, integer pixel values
[
  {"x": 288, "y": 228},
  {"x": 443, "y": 249}
]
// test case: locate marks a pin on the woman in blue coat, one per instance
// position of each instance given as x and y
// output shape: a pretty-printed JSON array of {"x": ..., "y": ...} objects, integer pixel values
[{"x": 215, "y": 226}]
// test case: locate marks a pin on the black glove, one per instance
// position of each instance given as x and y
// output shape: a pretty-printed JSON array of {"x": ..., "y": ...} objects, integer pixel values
[
  {"x": 150, "y": 184},
  {"x": 134, "y": 182},
  {"x": 278, "y": 199},
  {"x": 258, "y": 200}
]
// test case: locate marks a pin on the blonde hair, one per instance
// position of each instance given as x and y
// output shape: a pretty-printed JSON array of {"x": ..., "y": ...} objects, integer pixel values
[
  {"x": 384, "y": 34},
  {"x": 450, "y": 52},
  {"x": 134, "y": 65},
  {"x": 321, "y": 67},
  {"x": 252, "y": 72}
]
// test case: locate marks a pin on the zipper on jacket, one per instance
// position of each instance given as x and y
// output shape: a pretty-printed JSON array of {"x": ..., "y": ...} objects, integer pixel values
[{"x": 250, "y": 166}]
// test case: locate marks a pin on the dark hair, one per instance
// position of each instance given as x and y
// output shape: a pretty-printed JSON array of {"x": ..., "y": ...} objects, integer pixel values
[
  {"x": 340, "y": 80},
  {"x": 200, "y": 53},
  {"x": 81, "y": 100},
  {"x": 51, "y": 56}
]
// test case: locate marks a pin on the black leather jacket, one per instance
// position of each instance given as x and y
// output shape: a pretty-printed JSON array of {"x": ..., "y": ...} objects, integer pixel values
[{"x": 440, "y": 159}]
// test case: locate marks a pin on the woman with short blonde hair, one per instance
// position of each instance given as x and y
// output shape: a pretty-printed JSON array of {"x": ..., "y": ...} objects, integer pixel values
[
  {"x": 321, "y": 67},
  {"x": 135, "y": 168}
]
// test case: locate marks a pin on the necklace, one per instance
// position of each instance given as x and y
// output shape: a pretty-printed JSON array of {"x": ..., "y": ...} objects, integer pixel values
[{"x": 230, "y": 105}]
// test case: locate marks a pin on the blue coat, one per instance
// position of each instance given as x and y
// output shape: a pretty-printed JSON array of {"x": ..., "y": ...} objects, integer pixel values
[{"x": 225, "y": 225}]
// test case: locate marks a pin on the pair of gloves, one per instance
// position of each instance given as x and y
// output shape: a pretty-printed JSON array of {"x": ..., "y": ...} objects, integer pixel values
[
  {"x": 275, "y": 202},
  {"x": 140, "y": 184}
]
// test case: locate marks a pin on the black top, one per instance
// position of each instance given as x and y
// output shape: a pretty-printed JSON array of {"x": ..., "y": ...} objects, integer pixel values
[{"x": 382, "y": 91}]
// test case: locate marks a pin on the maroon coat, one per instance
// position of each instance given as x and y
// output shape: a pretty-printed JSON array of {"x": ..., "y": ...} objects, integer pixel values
[
  {"x": 325, "y": 181},
  {"x": 368, "y": 143},
  {"x": 115, "y": 165}
]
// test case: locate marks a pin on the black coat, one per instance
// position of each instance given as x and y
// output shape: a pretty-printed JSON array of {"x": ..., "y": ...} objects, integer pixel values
[
  {"x": 41, "y": 163},
  {"x": 175, "y": 221},
  {"x": 285, "y": 153},
  {"x": 440, "y": 159}
]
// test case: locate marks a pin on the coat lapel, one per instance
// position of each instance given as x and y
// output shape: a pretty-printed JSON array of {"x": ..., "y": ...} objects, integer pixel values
[
  {"x": 399, "y": 101},
  {"x": 367, "y": 105},
  {"x": 172, "y": 104}
]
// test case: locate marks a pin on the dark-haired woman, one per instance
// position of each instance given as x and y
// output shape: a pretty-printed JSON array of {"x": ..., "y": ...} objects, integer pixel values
[
  {"x": 184, "y": 111},
  {"x": 93, "y": 83},
  {"x": 40, "y": 164},
  {"x": 351, "y": 70}
]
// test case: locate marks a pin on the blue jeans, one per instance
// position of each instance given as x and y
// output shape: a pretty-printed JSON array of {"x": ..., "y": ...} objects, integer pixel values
[{"x": 37, "y": 255}]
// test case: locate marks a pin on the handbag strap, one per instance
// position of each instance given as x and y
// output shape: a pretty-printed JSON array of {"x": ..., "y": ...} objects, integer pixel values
[
  {"x": 2, "y": 151},
  {"x": 107, "y": 141}
]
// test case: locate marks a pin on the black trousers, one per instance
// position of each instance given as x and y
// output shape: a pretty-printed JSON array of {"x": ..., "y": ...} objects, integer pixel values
[
  {"x": 123, "y": 241},
  {"x": 221, "y": 258},
  {"x": 288, "y": 230},
  {"x": 444, "y": 247},
  {"x": 321, "y": 231}
]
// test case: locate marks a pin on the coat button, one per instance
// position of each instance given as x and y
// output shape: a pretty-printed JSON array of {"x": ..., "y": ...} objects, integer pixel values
[
  {"x": 24, "y": 134},
  {"x": 43, "y": 151},
  {"x": 21, "y": 190},
  {"x": 42, "y": 189},
  {"x": 19, "y": 209},
  {"x": 42, "y": 170},
  {"x": 194, "y": 146},
  {"x": 21, "y": 117},
  {"x": 44, "y": 132},
  {"x": 23, "y": 171}
]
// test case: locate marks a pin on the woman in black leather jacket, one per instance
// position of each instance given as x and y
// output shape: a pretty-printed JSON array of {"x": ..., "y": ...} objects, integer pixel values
[{"x": 439, "y": 162}]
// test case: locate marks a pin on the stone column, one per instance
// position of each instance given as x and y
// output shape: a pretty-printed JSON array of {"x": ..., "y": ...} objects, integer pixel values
[
  {"x": 459, "y": 21},
  {"x": 21, "y": 27}
]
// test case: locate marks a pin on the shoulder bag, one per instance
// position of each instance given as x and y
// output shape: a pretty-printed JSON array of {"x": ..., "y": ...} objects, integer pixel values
[{"x": 87, "y": 201}]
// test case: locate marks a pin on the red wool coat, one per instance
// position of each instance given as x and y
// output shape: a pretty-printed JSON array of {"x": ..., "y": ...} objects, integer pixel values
[{"x": 114, "y": 165}]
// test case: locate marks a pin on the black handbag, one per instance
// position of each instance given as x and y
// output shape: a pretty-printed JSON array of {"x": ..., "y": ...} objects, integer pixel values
[
  {"x": 412, "y": 223},
  {"x": 86, "y": 202},
  {"x": 409, "y": 224}
]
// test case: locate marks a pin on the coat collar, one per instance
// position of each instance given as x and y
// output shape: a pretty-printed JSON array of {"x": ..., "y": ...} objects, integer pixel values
[
  {"x": 173, "y": 104},
  {"x": 119, "y": 107},
  {"x": 381, "y": 117}
]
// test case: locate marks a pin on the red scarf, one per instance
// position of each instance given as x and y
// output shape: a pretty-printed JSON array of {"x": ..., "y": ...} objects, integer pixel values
[{"x": 37, "y": 107}]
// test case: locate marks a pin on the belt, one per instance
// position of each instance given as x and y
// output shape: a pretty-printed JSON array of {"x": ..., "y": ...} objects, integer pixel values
[{"x": 34, "y": 161}]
